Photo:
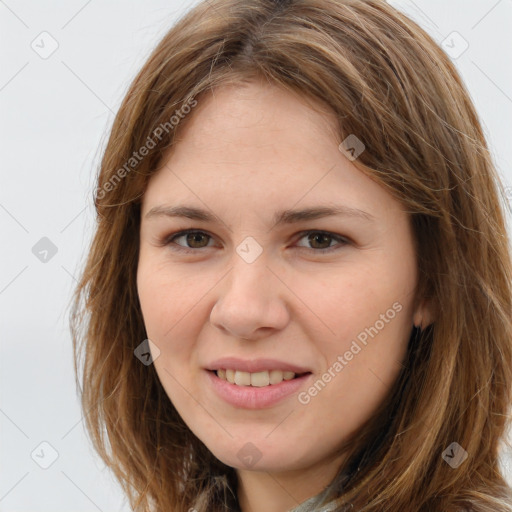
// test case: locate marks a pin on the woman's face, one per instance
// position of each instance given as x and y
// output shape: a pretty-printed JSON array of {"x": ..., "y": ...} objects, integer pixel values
[{"x": 259, "y": 289}]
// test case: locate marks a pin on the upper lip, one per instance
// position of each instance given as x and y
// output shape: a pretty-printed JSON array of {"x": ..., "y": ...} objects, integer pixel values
[{"x": 255, "y": 365}]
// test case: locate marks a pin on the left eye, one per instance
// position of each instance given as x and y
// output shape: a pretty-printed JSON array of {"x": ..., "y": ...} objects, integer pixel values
[
  {"x": 195, "y": 240},
  {"x": 319, "y": 237}
]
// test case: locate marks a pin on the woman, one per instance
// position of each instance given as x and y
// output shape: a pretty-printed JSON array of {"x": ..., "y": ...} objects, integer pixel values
[{"x": 230, "y": 362}]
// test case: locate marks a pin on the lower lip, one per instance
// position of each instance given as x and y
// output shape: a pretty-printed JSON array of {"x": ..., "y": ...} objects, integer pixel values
[{"x": 251, "y": 397}]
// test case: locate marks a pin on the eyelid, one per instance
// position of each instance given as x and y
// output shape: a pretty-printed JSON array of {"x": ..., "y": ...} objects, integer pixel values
[
  {"x": 168, "y": 240},
  {"x": 341, "y": 240}
]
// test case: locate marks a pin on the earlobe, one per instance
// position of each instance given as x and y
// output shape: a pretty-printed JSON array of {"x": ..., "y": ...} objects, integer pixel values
[{"x": 423, "y": 315}]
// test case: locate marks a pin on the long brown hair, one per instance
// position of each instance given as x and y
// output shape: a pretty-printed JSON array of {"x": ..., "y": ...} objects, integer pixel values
[{"x": 388, "y": 83}]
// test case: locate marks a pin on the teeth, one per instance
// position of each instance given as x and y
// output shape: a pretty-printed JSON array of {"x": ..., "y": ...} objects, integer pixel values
[
  {"x": 242, "y": 379},
  {"x": 260, "y": 379},
  {"x": 257, "y": 379}
]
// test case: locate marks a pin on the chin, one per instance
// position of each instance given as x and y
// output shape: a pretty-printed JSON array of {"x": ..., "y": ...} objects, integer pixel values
[{"x": 260, "y": 455}]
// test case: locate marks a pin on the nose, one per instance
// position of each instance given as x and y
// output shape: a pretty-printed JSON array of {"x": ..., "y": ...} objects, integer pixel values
[{"x": 252, "y": 301}]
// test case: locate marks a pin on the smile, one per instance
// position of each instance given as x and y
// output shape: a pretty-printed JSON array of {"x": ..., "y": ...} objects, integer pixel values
[
  {"x": 262, "y": 394},
  {"x": 256, "y": 379}
]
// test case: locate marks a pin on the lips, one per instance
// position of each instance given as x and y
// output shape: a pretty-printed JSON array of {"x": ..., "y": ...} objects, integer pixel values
[
  {"x": 254, "y": 397},
  {"x": 256, "y": 365},
  {"x": 244, "y": 392}
]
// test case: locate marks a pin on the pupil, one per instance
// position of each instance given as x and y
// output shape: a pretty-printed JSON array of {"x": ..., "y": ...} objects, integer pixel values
[
  {"x": 194, "y": 237},
  {"x": 320, "y": 236}
]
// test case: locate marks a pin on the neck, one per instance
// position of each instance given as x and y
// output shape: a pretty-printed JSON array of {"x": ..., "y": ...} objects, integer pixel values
[{"x": 264, "y": 491}]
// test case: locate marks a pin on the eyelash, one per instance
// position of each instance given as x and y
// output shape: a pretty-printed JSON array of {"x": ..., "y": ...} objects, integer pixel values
[{"x": 167, "y": 241}]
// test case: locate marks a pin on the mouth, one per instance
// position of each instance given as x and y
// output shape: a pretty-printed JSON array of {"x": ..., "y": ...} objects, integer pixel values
[
  {"x": 255, "y": 383},
  {"x": 256, "y": 379},
  {"x": 255, "y": 390}
]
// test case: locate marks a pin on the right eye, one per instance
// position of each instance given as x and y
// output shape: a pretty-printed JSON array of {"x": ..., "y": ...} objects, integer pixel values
[{"x": 190, "y": 236}]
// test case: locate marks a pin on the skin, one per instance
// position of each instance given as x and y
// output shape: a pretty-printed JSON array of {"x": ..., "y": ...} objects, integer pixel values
[{"x": 248, "y": 151}]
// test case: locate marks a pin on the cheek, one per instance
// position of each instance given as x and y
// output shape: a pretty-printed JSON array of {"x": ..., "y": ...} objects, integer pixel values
[
  {"x": 164, "y": 302},
  {"x": 367, "y": 318},
  {"x": 172, "y": 305},
  {"x": 347, "y": 302},
  {"x": 154, "y": 300},
  {"x": 165, "y": 318}
]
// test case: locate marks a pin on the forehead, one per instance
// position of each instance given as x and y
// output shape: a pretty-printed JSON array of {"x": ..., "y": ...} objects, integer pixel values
[
  {"x": 231, "y": 112},
  {"x": 260, "y": 141}
]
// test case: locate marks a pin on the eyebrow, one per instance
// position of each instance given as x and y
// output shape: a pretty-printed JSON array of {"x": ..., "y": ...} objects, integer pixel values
[{"x": 280, "y": 217}]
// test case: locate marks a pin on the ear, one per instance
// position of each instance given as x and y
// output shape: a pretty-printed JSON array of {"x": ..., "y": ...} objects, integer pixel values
[{"x": 423, "y": 314}]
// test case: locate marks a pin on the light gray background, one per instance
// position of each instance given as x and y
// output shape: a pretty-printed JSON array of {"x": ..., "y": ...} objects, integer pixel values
[{"x": 55, "y": 113}]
